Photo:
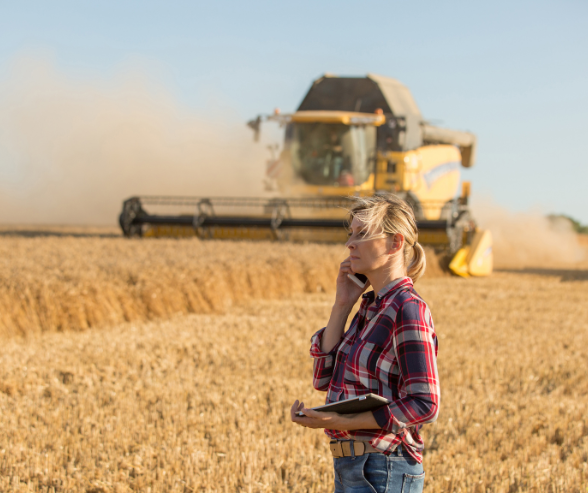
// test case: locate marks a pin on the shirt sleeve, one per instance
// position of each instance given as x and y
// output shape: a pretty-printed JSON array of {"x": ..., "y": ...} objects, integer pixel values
[
  {"x": 324, "y": 363},
  {"x": 415, "y": 344}
]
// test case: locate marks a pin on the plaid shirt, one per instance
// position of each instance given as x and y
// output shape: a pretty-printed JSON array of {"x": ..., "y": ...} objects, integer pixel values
[{"x": 390, "y": 350}]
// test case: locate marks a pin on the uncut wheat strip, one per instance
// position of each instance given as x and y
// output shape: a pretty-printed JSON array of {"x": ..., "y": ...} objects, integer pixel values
[{"x": 69, "y": 284}]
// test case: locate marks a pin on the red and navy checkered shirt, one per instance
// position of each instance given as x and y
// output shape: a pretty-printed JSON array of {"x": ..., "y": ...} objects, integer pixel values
[{"x": 390, "y": 350}]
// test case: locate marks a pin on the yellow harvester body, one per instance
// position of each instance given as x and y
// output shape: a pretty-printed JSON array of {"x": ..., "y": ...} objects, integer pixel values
[{"x": 350, "y": 137}]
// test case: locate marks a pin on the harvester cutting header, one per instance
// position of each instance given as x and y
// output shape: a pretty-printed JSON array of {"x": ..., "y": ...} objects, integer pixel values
[{"x": 350, "y": 137}]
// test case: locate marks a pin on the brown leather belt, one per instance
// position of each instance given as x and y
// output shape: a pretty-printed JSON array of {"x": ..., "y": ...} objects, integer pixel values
[{"x": 351, "y": 448}]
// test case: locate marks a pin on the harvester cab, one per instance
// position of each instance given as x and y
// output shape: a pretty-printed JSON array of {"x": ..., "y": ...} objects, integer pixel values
[{"x": 350, "y": 137}]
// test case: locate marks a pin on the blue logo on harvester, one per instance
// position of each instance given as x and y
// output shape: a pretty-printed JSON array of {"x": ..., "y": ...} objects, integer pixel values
[{"x": 437, "y": 172}]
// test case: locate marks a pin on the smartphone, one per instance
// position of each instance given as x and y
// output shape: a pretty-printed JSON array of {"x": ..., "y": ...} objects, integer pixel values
[{"x": 358, "y": 279}]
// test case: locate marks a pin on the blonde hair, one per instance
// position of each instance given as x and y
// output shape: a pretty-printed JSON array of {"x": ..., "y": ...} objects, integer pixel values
[{"x": 387, "y": 214}]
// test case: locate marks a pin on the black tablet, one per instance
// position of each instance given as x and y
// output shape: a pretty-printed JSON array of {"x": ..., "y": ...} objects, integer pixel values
[{"x": 352, "y": 406}]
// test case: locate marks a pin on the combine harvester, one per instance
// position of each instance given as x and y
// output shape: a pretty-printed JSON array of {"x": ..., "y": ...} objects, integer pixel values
[{"x": 350, "y": 137}]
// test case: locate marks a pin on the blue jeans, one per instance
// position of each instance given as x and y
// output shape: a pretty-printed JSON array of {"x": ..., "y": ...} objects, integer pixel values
[{"x": 379, "y": 473}]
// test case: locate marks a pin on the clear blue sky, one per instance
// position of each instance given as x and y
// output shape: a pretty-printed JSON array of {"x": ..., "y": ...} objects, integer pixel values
[{"x": 513, "y": 72}]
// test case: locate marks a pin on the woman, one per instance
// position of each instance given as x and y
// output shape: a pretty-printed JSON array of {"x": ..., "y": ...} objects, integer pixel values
[{"x": 390, "y": 349}]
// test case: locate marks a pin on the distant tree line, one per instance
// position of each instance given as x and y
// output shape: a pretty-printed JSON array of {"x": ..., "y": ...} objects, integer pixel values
[{"x": 578, "y": 227}]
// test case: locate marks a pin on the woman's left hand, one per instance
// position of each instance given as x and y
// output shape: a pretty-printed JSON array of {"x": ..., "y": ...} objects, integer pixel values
[
  {"x": 314, "y": 419},
  {"x": 333, "y": 421}
]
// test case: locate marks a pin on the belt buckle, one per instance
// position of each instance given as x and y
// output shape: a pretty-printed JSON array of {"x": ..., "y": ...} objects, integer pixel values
[{"x": 336, "y": 449}]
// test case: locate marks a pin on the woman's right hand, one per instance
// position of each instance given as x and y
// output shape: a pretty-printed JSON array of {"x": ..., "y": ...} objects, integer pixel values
[
  {"x": 347, "y": 291},
  {"x": 347, "y": 295}
]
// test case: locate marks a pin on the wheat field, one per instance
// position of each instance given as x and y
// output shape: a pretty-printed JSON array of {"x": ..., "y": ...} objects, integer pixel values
[{"x": 105, "y": 387}]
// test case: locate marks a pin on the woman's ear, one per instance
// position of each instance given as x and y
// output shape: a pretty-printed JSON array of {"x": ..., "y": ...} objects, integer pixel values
[{"x": 396, "y": 243}]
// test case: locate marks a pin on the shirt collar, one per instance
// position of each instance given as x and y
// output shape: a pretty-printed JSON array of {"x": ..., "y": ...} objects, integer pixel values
[{"x": 390, "y": 288}]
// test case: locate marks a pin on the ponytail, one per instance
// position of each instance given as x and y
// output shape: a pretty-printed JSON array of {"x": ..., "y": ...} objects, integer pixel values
[{"x": 419, "y": 262}]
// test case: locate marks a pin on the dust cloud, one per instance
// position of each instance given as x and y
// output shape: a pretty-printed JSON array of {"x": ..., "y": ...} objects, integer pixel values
[
  {"x": 71, "y": 150},
  {"x": 527, "y": 239}
]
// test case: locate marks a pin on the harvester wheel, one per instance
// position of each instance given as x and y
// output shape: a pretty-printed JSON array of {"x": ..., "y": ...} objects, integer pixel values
[
  {"x": 131, "y": 209},
  {"x": 280, "y": 211},
  {"x": 455, "y": 233},
  {"x": 449, "y": 211}
]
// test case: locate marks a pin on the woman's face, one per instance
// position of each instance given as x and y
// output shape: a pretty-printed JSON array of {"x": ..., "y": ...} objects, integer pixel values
[{"x": 372, "y": 254}]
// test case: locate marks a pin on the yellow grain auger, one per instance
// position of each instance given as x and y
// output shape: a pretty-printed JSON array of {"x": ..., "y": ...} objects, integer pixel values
[{"x": 351, "y": 136}]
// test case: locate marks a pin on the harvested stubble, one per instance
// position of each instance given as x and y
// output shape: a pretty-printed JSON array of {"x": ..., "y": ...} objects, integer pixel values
[
  {"x": 54, "y": 283},
  {"x": 200, "y": 402}
]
